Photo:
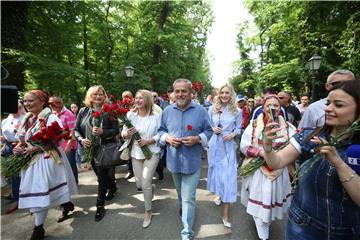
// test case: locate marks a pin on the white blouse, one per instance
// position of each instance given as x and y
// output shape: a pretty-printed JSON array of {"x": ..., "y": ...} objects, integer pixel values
[
  {"x": 10, "y": 126},
  {"x": 147, "y": 127}
]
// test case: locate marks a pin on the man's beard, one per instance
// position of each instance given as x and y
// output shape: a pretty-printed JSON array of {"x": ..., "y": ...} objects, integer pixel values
[{"x": 182, "y": 103}]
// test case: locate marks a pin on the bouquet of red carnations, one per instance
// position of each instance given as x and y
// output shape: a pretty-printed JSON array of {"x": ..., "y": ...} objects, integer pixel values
[
  {"x": 90, "y": 151},
  {"x": 198, "y": 86},
  {"x": 47, "y": 139},
  {"x": 119, "y": 109}
]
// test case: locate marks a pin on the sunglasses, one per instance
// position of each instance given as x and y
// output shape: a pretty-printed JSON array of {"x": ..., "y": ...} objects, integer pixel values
[{"x": 335, "y": 83}]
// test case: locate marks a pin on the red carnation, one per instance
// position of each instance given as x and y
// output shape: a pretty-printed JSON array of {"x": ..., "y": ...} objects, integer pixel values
[
  {"x": 96, "y": 114},
  {"x": 189, "y": 127}
]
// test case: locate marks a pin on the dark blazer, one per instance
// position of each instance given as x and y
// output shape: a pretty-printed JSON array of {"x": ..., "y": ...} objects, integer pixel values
[{"x": 84, "y": 125}]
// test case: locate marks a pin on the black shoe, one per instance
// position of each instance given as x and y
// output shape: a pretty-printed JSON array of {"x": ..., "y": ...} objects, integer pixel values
[
  {"x": 129, "y": 175},
  {"x": 67, "y": 207},
  {"x": 111, "y": 193},
  {"x": 100, "y": 213},
  {"x": 38, "y": 233}
]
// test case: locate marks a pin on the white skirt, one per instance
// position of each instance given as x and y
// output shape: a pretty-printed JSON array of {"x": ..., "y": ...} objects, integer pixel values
[
  {"x": 45, "y": 184},
  {"x": 266, "y": 199}
]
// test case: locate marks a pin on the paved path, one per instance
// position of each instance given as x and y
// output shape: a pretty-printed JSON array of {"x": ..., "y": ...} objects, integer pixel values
[{"x": 124, "y": 215}]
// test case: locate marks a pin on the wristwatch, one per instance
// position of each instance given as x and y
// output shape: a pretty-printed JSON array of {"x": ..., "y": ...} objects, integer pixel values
[{"x": 199, "y": 140}]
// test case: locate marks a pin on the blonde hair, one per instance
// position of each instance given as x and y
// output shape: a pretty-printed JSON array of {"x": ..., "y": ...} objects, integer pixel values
[
  {"x": 88, "y": 99},
  {"x": 127, "y": 94},
  {"x": 149, "y": 101},
  {"x": 232, "y": 102}
]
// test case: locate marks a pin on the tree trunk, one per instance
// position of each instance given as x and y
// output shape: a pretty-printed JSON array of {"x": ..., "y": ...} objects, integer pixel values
[
  {"x": 111, "y": 47},
  {"x": 86, "y": 60},
  {"x": 157, "y": 49}
]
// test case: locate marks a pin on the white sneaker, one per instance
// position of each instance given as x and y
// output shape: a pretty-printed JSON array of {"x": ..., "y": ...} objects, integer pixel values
[
  {"x": 226, "y": 223},
  {"x": 217, "y": 201}
]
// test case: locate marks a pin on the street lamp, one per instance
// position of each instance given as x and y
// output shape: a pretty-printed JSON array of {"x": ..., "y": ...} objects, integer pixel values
[
  {"x": 129, "y": 71},
  {"x": 314, "y": 65}
]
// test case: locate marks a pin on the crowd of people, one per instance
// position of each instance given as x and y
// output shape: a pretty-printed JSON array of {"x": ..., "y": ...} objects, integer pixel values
[{"x": 294, "y": 142}]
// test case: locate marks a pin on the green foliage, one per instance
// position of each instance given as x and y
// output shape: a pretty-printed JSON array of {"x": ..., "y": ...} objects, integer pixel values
[
  {"x": 71, "y": 45},
  {"x": 289, "y": 33}
]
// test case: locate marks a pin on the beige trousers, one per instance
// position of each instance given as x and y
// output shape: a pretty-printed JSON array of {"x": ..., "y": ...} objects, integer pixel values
[{"x": 144, "y": 171}]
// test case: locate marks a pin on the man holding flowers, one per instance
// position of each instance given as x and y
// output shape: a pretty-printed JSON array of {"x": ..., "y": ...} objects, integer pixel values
[{"x": 185, "y": 129}]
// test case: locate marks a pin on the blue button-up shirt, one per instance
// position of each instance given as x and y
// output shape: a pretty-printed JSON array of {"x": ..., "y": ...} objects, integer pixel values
[{"x": 193, "y": 121}]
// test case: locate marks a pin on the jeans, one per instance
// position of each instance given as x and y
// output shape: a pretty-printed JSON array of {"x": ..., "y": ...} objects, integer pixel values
[
  {"x": 78, "y": 155},
  {"x": 300, "y": 226},
  {"x": 162, "y": 162},
  {"x": 15, "y": 186},
  {"x": 71, "y": 156},
  {"x": 186, "y": 189}
]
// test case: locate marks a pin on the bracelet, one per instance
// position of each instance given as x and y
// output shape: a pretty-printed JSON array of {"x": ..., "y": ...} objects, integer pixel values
[
  {"x": 349, "y": 178},
  {"x": 267, "y": 150}
]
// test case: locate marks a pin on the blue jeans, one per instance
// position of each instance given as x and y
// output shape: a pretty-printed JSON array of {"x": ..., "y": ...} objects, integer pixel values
[
  {"x": 186, "y": 189},
  {"x": 78, "y": 155},
  {"x": 15, "y": 186},
  {"x": 300, "y": 226},
  {"x": 71, "y": 156}
]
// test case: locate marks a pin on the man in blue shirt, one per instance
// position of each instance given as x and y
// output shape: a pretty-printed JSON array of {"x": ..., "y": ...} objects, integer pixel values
[{"x": 185, "y": 129}]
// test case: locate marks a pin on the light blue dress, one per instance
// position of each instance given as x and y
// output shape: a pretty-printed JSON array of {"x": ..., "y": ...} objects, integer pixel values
[{"x": 222, "y": 171}]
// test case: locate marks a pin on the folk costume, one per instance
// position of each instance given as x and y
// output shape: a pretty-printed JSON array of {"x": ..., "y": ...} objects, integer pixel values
[{"x": 266, "y": 193}]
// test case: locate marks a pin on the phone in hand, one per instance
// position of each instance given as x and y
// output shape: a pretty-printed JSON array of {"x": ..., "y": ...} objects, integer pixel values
[{"x": 273, "y": 114}]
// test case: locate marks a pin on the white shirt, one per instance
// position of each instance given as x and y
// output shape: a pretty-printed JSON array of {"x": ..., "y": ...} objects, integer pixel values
[
  {"x": 147, "y": 127},
  {"x": 314, "y": 115},
  {"x": 10, "y": 126}
]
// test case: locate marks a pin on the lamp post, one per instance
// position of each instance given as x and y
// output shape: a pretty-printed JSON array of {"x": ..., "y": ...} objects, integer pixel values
[
  {"x": 129, "y": 71},
  {"x": 314, "y": 65}
]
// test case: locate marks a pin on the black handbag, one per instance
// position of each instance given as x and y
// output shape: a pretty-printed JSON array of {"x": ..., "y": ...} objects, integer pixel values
[{"x": 108, "y": 155}]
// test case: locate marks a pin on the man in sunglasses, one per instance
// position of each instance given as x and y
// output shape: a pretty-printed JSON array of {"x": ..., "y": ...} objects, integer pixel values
[{"x": 314, "y": 115}]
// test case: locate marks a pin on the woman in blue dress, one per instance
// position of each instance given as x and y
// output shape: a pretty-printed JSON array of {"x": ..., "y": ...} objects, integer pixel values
[{"x": 226, "y": 119}]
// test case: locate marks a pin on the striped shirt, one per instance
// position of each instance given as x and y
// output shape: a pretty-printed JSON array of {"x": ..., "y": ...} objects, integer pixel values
[{"x": 68, "y": 119}]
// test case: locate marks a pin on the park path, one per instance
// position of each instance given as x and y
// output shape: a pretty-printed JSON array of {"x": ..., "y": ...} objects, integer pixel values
[{"x": 124, "y": 215}]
